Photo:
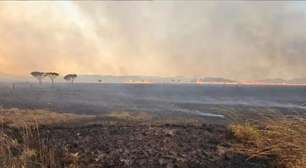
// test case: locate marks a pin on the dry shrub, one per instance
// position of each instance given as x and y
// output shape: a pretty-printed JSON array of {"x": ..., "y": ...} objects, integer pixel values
[
  {"x": 246, "y": 132},
  {"x": 282, "y": 141}
]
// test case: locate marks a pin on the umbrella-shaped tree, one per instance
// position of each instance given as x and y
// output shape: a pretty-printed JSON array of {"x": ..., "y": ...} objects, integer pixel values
[
  {"x": 52, "y": 76},
  {"x": 38, "y": 75},
  {"x": 70, "y": 77}
]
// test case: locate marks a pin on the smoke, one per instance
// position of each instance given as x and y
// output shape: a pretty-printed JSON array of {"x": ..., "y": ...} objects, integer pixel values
[{"x": 237, "y": 40}]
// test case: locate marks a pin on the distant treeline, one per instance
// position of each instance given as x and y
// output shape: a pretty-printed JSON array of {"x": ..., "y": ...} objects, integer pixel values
[{"x": 52, "y": 76}]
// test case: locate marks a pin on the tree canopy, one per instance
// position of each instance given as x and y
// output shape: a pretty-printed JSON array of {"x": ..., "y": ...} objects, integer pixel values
[
  {"x": 70, "y": 77},
  {"x": 38, "y": 75}
]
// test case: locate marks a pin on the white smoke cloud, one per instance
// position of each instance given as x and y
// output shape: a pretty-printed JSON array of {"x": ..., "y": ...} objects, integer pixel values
[{"x": 238, "y": 40}]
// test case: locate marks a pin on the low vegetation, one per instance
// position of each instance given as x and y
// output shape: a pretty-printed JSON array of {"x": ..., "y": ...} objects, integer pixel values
[
  {"x": 281, "y": 142},
  {"x": 246, "y": 132},
  {"x": 21, "y": 145},
  {"x": 27, "y": 117},
  {"x": 24, "y": 148}
]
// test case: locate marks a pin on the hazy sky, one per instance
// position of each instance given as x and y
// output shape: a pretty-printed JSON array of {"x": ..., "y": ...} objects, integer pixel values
[{"x": 238, "y": 40}]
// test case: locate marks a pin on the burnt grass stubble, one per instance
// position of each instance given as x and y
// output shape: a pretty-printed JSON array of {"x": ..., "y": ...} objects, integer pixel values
[{"x": 140, "y": 145}]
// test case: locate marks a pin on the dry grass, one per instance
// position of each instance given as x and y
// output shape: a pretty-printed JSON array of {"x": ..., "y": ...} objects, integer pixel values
[
  {"x": 131, "y": 116},
  {"x": 25, "y": 149},
  {"x": 246, "y": 132},
  {"x": 146, "y": 117},
  {"x": 23, "y": 117},
  {"x": 282, "y": 141},
  {"x": 21, "y": 145}
]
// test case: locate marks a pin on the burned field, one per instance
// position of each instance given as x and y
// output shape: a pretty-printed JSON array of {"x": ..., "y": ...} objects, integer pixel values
[
  {"x": 142, "y": 146},
  {"x": 109, "y": 125},
  {"x": 114, "y": 142},
  {"x": 160, "y": 100}
]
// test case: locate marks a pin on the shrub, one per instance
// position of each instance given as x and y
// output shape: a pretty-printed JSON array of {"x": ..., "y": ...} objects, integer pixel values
[{"x": 245, "y": 132}]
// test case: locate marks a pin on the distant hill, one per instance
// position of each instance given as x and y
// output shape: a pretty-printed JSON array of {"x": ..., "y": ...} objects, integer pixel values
[
  {"x": 298, "y": 81},
  {"x": 283, "y": 81},
  {"x": 216, "y": 80},
  {"x": 277, "y": 80}
]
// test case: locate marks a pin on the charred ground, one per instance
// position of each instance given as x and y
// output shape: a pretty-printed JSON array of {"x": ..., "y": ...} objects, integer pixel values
[{"x": 146, "y": 126}]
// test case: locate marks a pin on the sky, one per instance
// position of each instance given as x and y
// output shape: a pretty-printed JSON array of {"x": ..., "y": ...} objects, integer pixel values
[{"x": 237, "y": 40}]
